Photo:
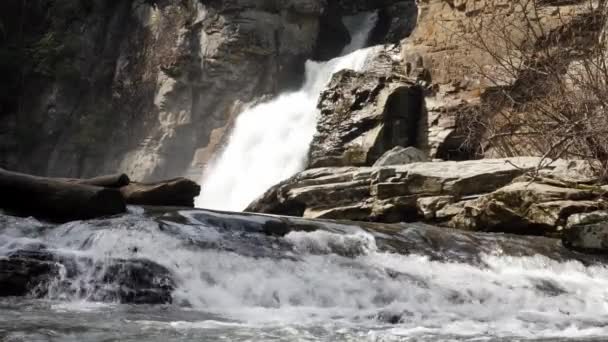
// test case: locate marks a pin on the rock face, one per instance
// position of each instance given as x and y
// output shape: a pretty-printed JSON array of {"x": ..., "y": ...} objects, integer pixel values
[
  {"x": 486, "y": 195},
  {"x": 162, "y": 80},
  {"x": 442, "y": 54},
  {"x": 362, "y": 115}
]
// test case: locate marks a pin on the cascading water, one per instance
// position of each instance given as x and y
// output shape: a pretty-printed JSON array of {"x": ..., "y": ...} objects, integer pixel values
[
  {"x": 235, "y": 282},
  {"x": 270, "y": 141}
]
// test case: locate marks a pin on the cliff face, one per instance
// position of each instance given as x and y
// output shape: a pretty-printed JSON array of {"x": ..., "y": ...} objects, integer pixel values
[
  {"x": 154, "y": 81},
  {"x": 151, "y": 87}
]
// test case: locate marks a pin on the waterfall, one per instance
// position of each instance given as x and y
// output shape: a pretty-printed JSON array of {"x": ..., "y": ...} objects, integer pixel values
[{"x": 270, "y": 141}]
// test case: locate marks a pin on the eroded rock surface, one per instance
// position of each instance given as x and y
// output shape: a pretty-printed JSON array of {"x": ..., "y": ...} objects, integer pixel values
[
  {"x": 486, "y": 195},
  {"x": 363, "y": 115},
  {"x": 400, "y": 155},
  {"x": 443, "y": 53}
]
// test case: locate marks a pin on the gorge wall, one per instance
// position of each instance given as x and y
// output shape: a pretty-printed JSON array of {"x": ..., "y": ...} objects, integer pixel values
[{"x": 151, "y": 87}]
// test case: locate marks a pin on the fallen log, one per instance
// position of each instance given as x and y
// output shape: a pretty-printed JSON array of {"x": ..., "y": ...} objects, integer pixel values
[
  {"x": 109, "y": 181},
  {"x": 56, "y": 200},
  {"x": 179, "y": 192}
]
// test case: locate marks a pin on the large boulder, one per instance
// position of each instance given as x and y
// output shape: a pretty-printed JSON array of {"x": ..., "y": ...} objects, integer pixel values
[
  {"x": 363, "y": 115},
  {"x": 401, "y": 155},
  {"x": 591, "y": 238}
]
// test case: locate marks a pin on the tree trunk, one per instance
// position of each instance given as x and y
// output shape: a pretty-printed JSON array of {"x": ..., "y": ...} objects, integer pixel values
[
  {"x": 179, "y": 192},
  {"x": 57, "y": 200},
  {"x": 110, "y": 181}
]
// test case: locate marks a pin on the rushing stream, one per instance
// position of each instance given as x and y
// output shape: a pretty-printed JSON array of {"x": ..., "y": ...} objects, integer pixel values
[
  {"x": 255, "y": 278},
  {"x": 270, "y": 141},
  {"x": 199, "y": 275}
]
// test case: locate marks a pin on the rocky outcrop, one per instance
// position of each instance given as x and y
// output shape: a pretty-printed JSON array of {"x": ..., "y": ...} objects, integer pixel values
[
  {"x": 486, "y": 195},
  {"x": 363, "y": 115},
  {"x": 162, "y": 80},
  {"x": 443, "y": 53},
  {"x": 532, "y": 208}
]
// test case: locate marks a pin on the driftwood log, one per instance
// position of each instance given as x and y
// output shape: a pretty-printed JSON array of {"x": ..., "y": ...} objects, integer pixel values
[
  {"x": 56, "y": 200},
  {"x": 68, "y": 199},
  {"x": 179, "y": 192},
  {"x": 110, "y": 181}
]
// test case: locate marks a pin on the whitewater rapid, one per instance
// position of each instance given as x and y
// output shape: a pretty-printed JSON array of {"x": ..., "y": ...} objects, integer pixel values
[
  {"x": 340, "y": 284},
  {"x": 270, "y": 141}
]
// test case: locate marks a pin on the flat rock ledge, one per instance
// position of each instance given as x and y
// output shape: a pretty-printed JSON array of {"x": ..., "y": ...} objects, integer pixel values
[{"x": 511, "y": 195}]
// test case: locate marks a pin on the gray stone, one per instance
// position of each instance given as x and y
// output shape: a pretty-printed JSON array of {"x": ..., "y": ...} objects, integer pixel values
[
  {"x": 387, "y": 193},
  {"x": 363, "y": 115},
  {"x": 481, "y": 195},
  {"x": 592, "y": 238},
  {"x": 525, "y": 207},
  {"x": 587, "y": 218},
  {"x": 401, "y": 155},
  {"x": 428, "y": 207}
]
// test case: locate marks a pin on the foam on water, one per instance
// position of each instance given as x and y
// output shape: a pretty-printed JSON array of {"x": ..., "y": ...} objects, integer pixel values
[
  {"x": 270, "y": 141},
  {"x": 343, "y": 282}
]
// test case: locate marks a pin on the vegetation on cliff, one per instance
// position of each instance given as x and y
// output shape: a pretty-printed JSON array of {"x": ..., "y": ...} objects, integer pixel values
[{"x": 548, "y": 81}]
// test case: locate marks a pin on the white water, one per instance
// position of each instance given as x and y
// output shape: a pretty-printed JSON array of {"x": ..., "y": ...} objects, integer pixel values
[
  {"x": 325, "y": 286},
  {"x": 270, "y": 141}
]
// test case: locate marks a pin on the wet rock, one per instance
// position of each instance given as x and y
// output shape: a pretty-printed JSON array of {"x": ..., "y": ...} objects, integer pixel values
[
  {"x": 176, "y": 192},
  {"x": 19, "y": 276},
  {"x": 36, "y": 272},
  {"x": 363, "y": 115},
  {"x": 401, "y": 155}
]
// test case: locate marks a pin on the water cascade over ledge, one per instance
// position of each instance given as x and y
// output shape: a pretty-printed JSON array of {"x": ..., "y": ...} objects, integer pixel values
[
  {"x": 270, "y": 141},
  {"x": 244, "y": 277}
]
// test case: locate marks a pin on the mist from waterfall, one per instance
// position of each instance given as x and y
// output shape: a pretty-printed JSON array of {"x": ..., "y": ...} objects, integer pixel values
[{"x": 270, "y": 141}]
